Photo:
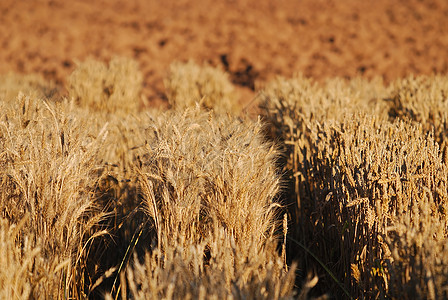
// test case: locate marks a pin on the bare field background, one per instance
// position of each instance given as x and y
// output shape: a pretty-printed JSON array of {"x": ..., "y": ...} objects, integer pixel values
[
  {"x": 338, "y": 189},
  {"x": 252, "y": 41}
]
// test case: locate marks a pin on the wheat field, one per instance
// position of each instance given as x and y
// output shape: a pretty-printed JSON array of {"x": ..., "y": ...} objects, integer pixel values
[{"x": 337, "y": 190}]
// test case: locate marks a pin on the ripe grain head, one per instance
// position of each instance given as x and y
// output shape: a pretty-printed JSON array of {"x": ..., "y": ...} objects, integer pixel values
[
  {"x": 107, "y": 87},
  {"x": 189, "y": 83}
]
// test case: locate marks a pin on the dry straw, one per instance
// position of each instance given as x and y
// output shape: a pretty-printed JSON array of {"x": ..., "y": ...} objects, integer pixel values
[
  {"x": 98, "y": 199},
  {"x": 367, "y": 192},
  {"x": 189, "y": 83},
  {"x": 32, "y": 85},
  {"x": 107, "y": 87},
  {"x": 47, "y": 160},
  {"x": 422, "y": 99},
  {"x": 210, "y": 185}
]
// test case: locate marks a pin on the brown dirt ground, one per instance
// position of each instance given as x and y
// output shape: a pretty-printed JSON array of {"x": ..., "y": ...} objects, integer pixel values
[{"x": 253, "y": 40}]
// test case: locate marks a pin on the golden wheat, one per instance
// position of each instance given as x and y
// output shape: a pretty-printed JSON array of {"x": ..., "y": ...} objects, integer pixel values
[
  {"x": 358, "y": 181},
  {"x": 189, "y": 83},
  {"x": 99, "y": 199},
  {"x": 112, "y": 87}
]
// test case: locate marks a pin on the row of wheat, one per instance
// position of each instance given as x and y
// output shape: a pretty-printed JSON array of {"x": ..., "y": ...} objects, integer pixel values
[
  {"x": 101, "y": 199},
  {"x": 368, "y": 181}
]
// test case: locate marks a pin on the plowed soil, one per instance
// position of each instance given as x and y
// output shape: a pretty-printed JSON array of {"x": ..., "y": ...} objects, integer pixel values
[{"x": 253, "y": 40}]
